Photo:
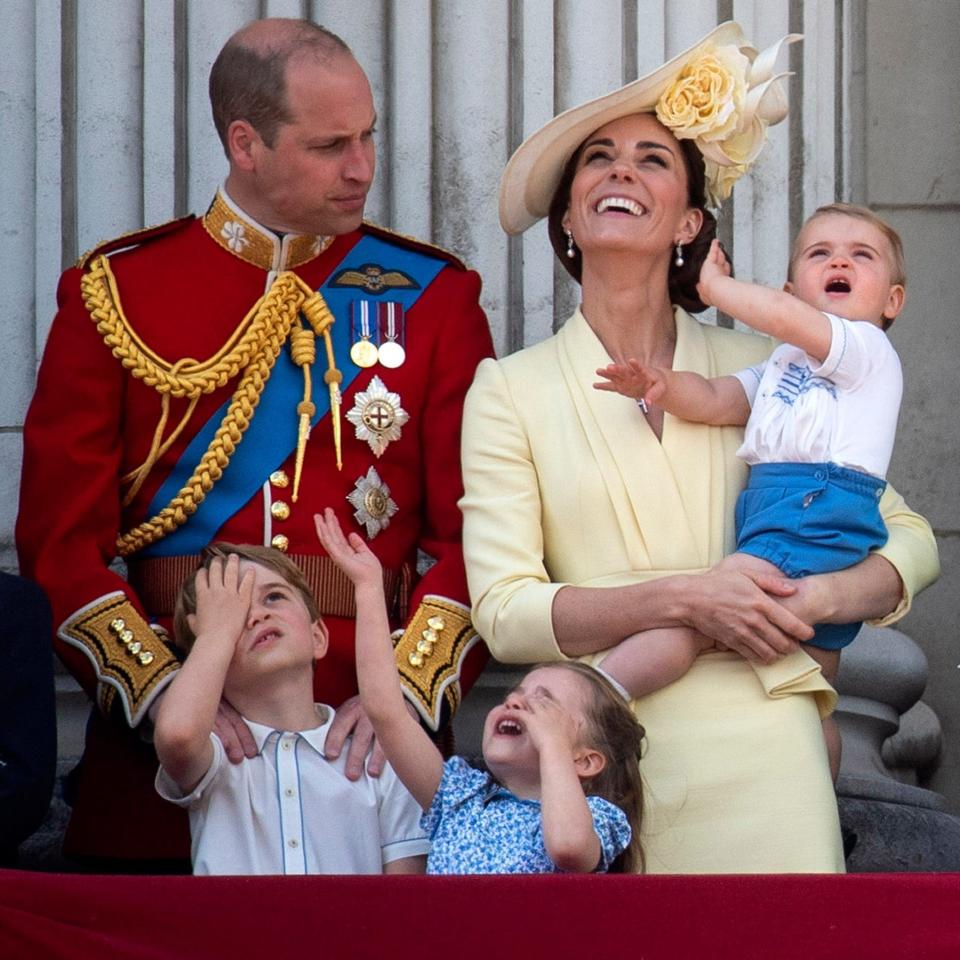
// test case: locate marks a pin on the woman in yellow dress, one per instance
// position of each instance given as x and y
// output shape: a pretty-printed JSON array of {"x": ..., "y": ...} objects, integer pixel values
[{"x": 587, "y": 518}]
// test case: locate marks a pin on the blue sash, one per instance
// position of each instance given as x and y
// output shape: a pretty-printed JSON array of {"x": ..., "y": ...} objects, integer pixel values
[{"x": 272, "y": 434}]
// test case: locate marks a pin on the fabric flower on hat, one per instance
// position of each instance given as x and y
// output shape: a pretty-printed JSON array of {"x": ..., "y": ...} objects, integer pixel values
[
  {"x": 720, "y": 181},
  {"x": 706, "y": 100},
  {"x": 724, "y": 99}
]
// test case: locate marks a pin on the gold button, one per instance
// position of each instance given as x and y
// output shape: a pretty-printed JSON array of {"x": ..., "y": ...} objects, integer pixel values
[
  {"x": 146, "y": 658},
  {"x": 281, "y": 543},
  {"x": 279, "y": 479},
  {"x": 436, "y": 623},
  {"x": 279, "y": 510},
  {"x": 126, "y": 635},
  {"x": 135, "y": 647},
  {"x": 424, "y": 647},
  {"x": 430, "y": 635},
  {"x": 117, "y": 625},
  {"x": 415, "y": 660}
]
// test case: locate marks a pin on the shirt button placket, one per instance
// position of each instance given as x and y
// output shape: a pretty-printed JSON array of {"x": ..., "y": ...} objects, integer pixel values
[{"x": 291, "y": 822}]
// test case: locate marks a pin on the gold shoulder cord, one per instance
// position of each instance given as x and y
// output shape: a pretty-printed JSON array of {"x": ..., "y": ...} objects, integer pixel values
[{"x": 251, "y": 350}]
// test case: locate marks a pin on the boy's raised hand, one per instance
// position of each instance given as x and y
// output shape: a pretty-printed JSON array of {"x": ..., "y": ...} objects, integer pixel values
[
  {"x": 223, "y": 599},
  {"x": 633, "y": 379},
  {"x": 349, "y": 553},
  {"x": 715, "y": 265}
]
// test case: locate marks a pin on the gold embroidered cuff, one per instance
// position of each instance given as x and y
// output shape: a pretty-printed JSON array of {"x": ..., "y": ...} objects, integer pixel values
[
  {"x": 430, "y": 653},
  {"x": 125, "y": 652}
]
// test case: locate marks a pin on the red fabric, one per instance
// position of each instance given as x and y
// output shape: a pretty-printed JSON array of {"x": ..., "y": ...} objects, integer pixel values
[
  {"x": 90, "y": 423},
  {"x": 782, "y": 917}
]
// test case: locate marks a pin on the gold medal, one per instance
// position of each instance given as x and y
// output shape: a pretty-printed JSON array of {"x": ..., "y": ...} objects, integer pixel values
[{"x": 363, "y": 353}]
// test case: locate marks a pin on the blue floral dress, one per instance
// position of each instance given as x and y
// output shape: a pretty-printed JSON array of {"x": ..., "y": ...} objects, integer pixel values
[{"x": 478, "y": 826}]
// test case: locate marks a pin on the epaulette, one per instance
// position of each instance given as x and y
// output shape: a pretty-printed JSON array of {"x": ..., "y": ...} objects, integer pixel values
[
  {"x": 134, "y": 239},
  {"x": 407, "y": 241}
]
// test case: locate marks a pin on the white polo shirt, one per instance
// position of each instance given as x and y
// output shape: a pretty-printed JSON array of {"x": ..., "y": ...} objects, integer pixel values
[{"x": 291, "y": 810}]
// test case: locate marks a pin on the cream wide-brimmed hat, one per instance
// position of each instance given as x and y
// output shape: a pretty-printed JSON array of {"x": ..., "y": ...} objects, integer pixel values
[{"x": 721, "y": 93}]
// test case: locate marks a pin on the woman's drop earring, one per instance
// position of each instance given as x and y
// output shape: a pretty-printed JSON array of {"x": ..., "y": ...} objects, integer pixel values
[
  {"x": 571, "y": 249},
  {"x": 678, "y": 260}
]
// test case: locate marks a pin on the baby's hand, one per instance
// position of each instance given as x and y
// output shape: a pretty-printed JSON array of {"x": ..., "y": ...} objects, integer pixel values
[
  {"x": 349, "y": 553},
  {"x": 632, "y": 379},
  {"x": 715, "y": 265},
  {"x": 223, "y": 599}
]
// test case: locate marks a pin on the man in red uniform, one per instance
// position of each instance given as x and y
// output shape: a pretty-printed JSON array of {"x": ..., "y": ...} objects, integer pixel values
[{"x": 225, "y": 378}]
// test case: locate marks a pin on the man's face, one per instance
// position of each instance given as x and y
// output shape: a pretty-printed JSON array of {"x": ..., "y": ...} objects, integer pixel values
[{"x": 315, "y": 177}]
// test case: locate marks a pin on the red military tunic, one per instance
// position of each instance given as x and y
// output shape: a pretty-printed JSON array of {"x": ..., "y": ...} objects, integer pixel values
[{"x": 182, "y": 291}]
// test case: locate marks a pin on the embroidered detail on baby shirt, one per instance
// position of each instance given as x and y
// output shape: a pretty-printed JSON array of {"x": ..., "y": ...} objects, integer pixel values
[{"x": 797, "y": 380}]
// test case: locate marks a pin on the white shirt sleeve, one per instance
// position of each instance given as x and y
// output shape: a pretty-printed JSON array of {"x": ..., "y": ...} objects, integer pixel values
[
  {"x": 858, "y": 350},
  {"x": 170, "y": 790},
  {"x": 400, "y": 832},
  {"x": 750, "y": 380}
]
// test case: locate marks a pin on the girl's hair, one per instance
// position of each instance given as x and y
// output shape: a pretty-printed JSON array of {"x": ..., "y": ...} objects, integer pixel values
[
  {"x": 681, "y": 281},
  {"x": 616, "y": 733}
]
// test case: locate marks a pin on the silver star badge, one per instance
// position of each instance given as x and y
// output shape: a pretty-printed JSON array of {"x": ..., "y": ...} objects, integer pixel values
[
  {"x": 378, "y": 416},
  {"x": 371, "y": 502}
]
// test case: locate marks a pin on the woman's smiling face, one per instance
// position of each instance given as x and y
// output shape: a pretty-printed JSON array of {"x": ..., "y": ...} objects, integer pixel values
[{"x": 630, "y": 190}]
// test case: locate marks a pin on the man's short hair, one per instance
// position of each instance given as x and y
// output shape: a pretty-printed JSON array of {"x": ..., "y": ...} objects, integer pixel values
[
  {"x": 268, "y": 557},
  {"x": 248, "y": 78}
]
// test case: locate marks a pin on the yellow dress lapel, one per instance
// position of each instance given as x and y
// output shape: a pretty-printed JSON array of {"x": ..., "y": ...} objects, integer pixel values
[{"x": 643, "y": 482}]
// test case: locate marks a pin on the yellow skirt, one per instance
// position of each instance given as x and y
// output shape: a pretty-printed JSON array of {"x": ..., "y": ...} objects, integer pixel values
[{"x": 736, "y": 780}]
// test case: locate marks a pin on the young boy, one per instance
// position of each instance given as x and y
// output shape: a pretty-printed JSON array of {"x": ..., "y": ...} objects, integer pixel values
[
  {"x": 820, "y": 433},
  {"x": 252, "y": 633}
]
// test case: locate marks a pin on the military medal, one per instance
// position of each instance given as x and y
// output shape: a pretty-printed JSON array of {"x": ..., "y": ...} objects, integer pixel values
[
  {"x": 391, "y": 353},
  {"x": 378, "y": 416},
  {"x": 371, "y": 502},
  {"x": 363, "y": 353}
]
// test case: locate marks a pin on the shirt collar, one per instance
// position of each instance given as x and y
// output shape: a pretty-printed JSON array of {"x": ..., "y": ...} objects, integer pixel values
[
  {"x": 239, "y": 234},
  {"x": 316, "y": 737}
]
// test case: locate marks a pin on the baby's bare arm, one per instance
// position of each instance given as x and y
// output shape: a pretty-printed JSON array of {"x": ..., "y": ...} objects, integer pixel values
[
  {"x": 719, "y": 401},
  {"x": 774, "y": 312}
]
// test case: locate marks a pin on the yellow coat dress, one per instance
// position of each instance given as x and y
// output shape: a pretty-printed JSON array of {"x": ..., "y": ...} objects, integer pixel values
[{"x": 565, "y": 484}]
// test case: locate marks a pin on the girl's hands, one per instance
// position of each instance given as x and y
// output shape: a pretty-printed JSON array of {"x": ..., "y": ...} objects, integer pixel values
[
  {"x": 349, "y": 553},
  {"x": 715, "y": 265},
  {"x": 632, "y": 379},
  {"x": 548, "y": 723},
  {"x": 223, "y": 599}
]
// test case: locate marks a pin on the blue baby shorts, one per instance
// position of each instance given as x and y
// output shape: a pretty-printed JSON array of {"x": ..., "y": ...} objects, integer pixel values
[{"x": 811, "y": 518}]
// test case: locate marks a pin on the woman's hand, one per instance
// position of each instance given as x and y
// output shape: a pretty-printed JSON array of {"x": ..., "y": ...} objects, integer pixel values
[{"x": 741, "y": 609}]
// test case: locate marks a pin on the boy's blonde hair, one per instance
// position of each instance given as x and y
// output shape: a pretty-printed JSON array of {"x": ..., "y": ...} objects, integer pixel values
[
  {"x": 899, "y": 272},
  {"x": 184, "y": 636}
]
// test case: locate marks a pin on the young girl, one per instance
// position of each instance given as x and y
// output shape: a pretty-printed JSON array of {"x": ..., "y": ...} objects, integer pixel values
[
  {"x": 820, "y": 419},
  {"x": 563, "y": 792}
]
